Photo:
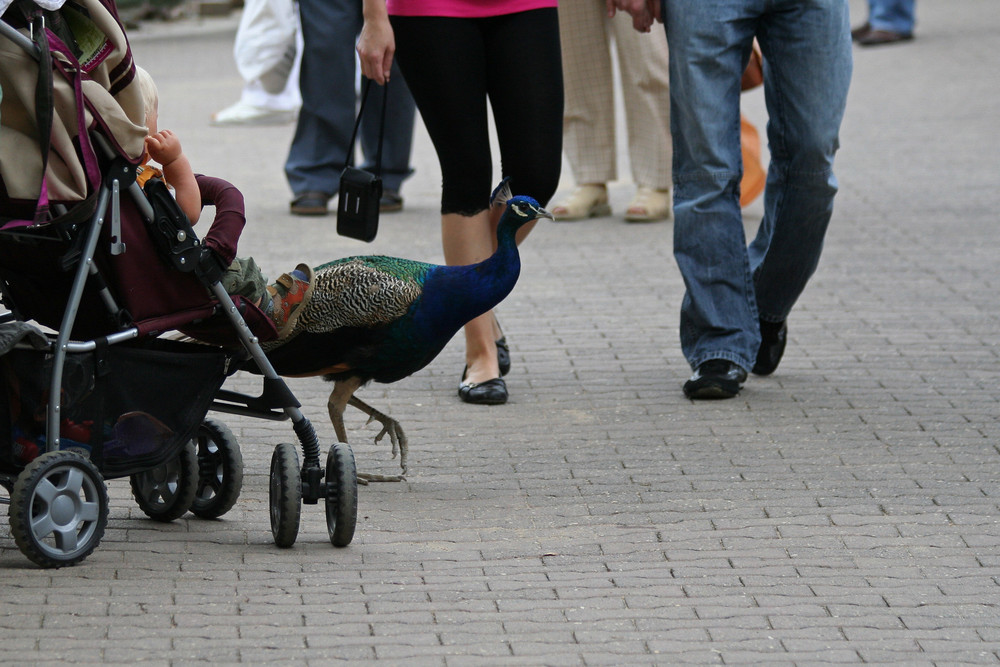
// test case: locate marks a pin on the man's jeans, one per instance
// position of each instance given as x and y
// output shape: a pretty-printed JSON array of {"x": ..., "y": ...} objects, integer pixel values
[
  {"x": 322, "y": 136},
  {"x": 893, "y": 15},
  {"x": 807, "y": 70}
]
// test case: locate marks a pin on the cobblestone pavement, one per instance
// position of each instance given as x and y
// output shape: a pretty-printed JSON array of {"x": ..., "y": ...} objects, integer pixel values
[{"x": 844, "y": 510}]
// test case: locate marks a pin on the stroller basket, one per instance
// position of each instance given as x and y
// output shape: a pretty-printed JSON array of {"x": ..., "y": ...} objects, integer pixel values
[{"x": 126, "y": 408}]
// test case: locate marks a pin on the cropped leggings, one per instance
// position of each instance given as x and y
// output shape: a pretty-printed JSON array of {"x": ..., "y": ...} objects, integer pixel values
[{"x": 452, "y": 65}]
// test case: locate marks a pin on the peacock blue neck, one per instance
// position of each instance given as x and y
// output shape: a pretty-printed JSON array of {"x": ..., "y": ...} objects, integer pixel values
[{"x": 453, "y": 295}]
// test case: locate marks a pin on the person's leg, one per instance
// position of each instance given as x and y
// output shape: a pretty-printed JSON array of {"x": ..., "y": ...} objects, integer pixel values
[
  {"x": 645, "y": 76},
  {"x": 454, "y": 111},
  {"x": 588, "y": 118},
  {"x": 709, "y": 48},
  {"x": 806, "y": 93},
  {"x": 589, "y": 115},
  {"x": 319, "y": 146},
  {"x": 467, "y": 240},
  {"x": 244, "y": 278},
  {"x": 524, "y": 56}
]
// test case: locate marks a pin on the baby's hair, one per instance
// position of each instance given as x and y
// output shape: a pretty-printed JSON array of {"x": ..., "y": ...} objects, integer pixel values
[{"x": 150, "y": 98}]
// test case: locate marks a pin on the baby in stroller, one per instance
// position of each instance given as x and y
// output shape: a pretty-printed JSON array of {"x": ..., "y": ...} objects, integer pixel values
[{"x": 281, "y": 301}]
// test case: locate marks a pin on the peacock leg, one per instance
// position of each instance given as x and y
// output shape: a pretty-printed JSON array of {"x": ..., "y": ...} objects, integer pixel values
[
  {"x": 335, "y": 405},
  {"x": 395, "y": 431}
]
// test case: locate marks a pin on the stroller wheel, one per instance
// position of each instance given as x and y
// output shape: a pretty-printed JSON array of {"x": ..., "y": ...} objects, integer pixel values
[
  {"x": 341, "y": 494},
  {"x": 58, "y": 509},
  {"x": 285, "y": 495},
  {"x": 166, "y": 492},
  {"x": 220, "y": 470}
]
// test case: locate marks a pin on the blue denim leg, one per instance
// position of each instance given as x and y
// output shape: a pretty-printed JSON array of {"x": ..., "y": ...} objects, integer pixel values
[
  {"x": 806, "y": 78},
  {"x": 709, "y": 43},
  {"x": 893, "y": 15},
  {"x": 329, "y": 104}
]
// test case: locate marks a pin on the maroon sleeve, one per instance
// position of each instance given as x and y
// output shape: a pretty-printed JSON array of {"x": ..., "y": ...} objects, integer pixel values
[{"x": 223, "y": 236}]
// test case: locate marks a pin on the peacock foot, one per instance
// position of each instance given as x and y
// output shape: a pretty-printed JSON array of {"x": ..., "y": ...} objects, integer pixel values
[
  {"x": 394, "y": 430},
  {"x": 400, "y": 447}
]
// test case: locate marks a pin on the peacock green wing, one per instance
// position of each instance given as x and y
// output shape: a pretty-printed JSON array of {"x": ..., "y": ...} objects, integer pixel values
[{"x": 362, "y": 292}]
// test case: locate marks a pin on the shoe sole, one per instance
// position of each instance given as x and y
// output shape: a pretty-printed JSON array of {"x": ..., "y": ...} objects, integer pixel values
[
  {"x": 713, "y": 390},
  {"x": 711, "y": 393},
  {"x": 482, "y": 401}
]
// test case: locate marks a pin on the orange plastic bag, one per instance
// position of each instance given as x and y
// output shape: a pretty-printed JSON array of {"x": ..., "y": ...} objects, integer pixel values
[{"x": 754, "y": 174}]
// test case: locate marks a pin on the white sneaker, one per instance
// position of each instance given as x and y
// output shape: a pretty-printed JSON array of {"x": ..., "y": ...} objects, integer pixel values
[{"x": 248, "y": 114}]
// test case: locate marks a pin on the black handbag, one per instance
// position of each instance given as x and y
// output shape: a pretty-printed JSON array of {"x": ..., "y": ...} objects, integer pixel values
[{"x": 360, "y": 190}]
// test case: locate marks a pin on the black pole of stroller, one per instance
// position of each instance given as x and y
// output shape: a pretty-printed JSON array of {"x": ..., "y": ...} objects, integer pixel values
[
  {"x": 303, "y": 428},
  {"x": 69, "y": 318}
]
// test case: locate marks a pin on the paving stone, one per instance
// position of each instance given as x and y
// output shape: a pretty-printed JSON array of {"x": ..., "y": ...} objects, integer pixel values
[{"x": 845, "y": 509}]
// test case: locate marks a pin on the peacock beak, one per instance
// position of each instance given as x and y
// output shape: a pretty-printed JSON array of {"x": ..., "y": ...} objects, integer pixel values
[{"x": 542, "y": 213}]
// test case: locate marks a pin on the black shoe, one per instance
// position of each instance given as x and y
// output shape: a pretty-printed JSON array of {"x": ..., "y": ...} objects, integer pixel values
[
  {"x": 491, "y": 392},
  {"x": 880, "y": 37},
  {"x": 503, "y": 356},
  {"x": 390, "y": 202},
  {"x": 861, "y": 30},
  {"x": 503, "y": 350},
  {"x": 715, "y": 378},
  {"x": 773, "y": 338},
  {"x": 310, "y": 203}
]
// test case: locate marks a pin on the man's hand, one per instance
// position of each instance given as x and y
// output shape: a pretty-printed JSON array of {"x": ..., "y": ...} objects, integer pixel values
[{"x": 644, "y": 12}]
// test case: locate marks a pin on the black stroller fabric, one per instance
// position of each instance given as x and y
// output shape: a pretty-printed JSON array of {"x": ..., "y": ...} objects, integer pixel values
[{"x": 128, "y": 408}]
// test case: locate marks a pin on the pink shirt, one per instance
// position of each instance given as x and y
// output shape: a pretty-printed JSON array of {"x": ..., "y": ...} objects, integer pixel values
[{"x": 463, "y": 8}]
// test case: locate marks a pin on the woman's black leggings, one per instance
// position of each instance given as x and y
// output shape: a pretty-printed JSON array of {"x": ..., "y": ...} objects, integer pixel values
[{"x": 452, "y": 65}]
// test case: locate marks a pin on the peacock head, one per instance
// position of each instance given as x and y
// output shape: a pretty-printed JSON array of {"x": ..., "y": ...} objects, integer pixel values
[{"x": 521, "y": 210}]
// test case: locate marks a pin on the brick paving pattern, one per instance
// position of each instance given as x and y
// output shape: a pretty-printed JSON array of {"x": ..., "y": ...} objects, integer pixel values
[{"x": 844, "y": 510}]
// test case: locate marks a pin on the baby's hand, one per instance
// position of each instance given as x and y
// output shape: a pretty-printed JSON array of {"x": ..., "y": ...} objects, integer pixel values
[{"x": 164, "y": 147}]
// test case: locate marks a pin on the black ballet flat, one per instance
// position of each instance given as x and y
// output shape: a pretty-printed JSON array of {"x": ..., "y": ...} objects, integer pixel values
[
  {"x": 491, "y": 392},
  {"x": 503, "y": 351},
  {"x": 503, "y": 356}
]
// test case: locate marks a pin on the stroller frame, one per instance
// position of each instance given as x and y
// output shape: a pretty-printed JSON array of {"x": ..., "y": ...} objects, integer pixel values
[{"x": 216, "y": 469}]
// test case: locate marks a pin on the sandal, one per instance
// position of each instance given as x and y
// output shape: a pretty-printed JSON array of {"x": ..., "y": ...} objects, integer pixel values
[
  {"x": 587, "y": 201},
  {"x": 649, "y": 205}
]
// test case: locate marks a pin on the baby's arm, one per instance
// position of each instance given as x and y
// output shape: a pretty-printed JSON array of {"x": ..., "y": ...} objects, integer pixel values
[{"x": 165, "y": 148}]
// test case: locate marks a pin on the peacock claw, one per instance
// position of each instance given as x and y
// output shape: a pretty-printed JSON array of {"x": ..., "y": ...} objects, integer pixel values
[{"x": 392, "y": 428}]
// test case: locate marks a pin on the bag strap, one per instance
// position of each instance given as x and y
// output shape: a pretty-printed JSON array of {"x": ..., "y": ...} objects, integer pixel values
[
  {"x": 366, "y": 86},
  {"x": 34, "y": 17}
]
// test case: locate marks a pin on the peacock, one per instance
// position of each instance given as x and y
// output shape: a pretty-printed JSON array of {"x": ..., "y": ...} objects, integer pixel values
[{"x": 384, "y": 318}]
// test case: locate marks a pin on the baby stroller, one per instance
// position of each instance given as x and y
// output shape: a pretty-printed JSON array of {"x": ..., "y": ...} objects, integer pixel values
[{"x": 95, "y": 273}]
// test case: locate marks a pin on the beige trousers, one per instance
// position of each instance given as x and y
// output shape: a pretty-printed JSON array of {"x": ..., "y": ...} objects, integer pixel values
[{"x": 586, "y": 33}]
